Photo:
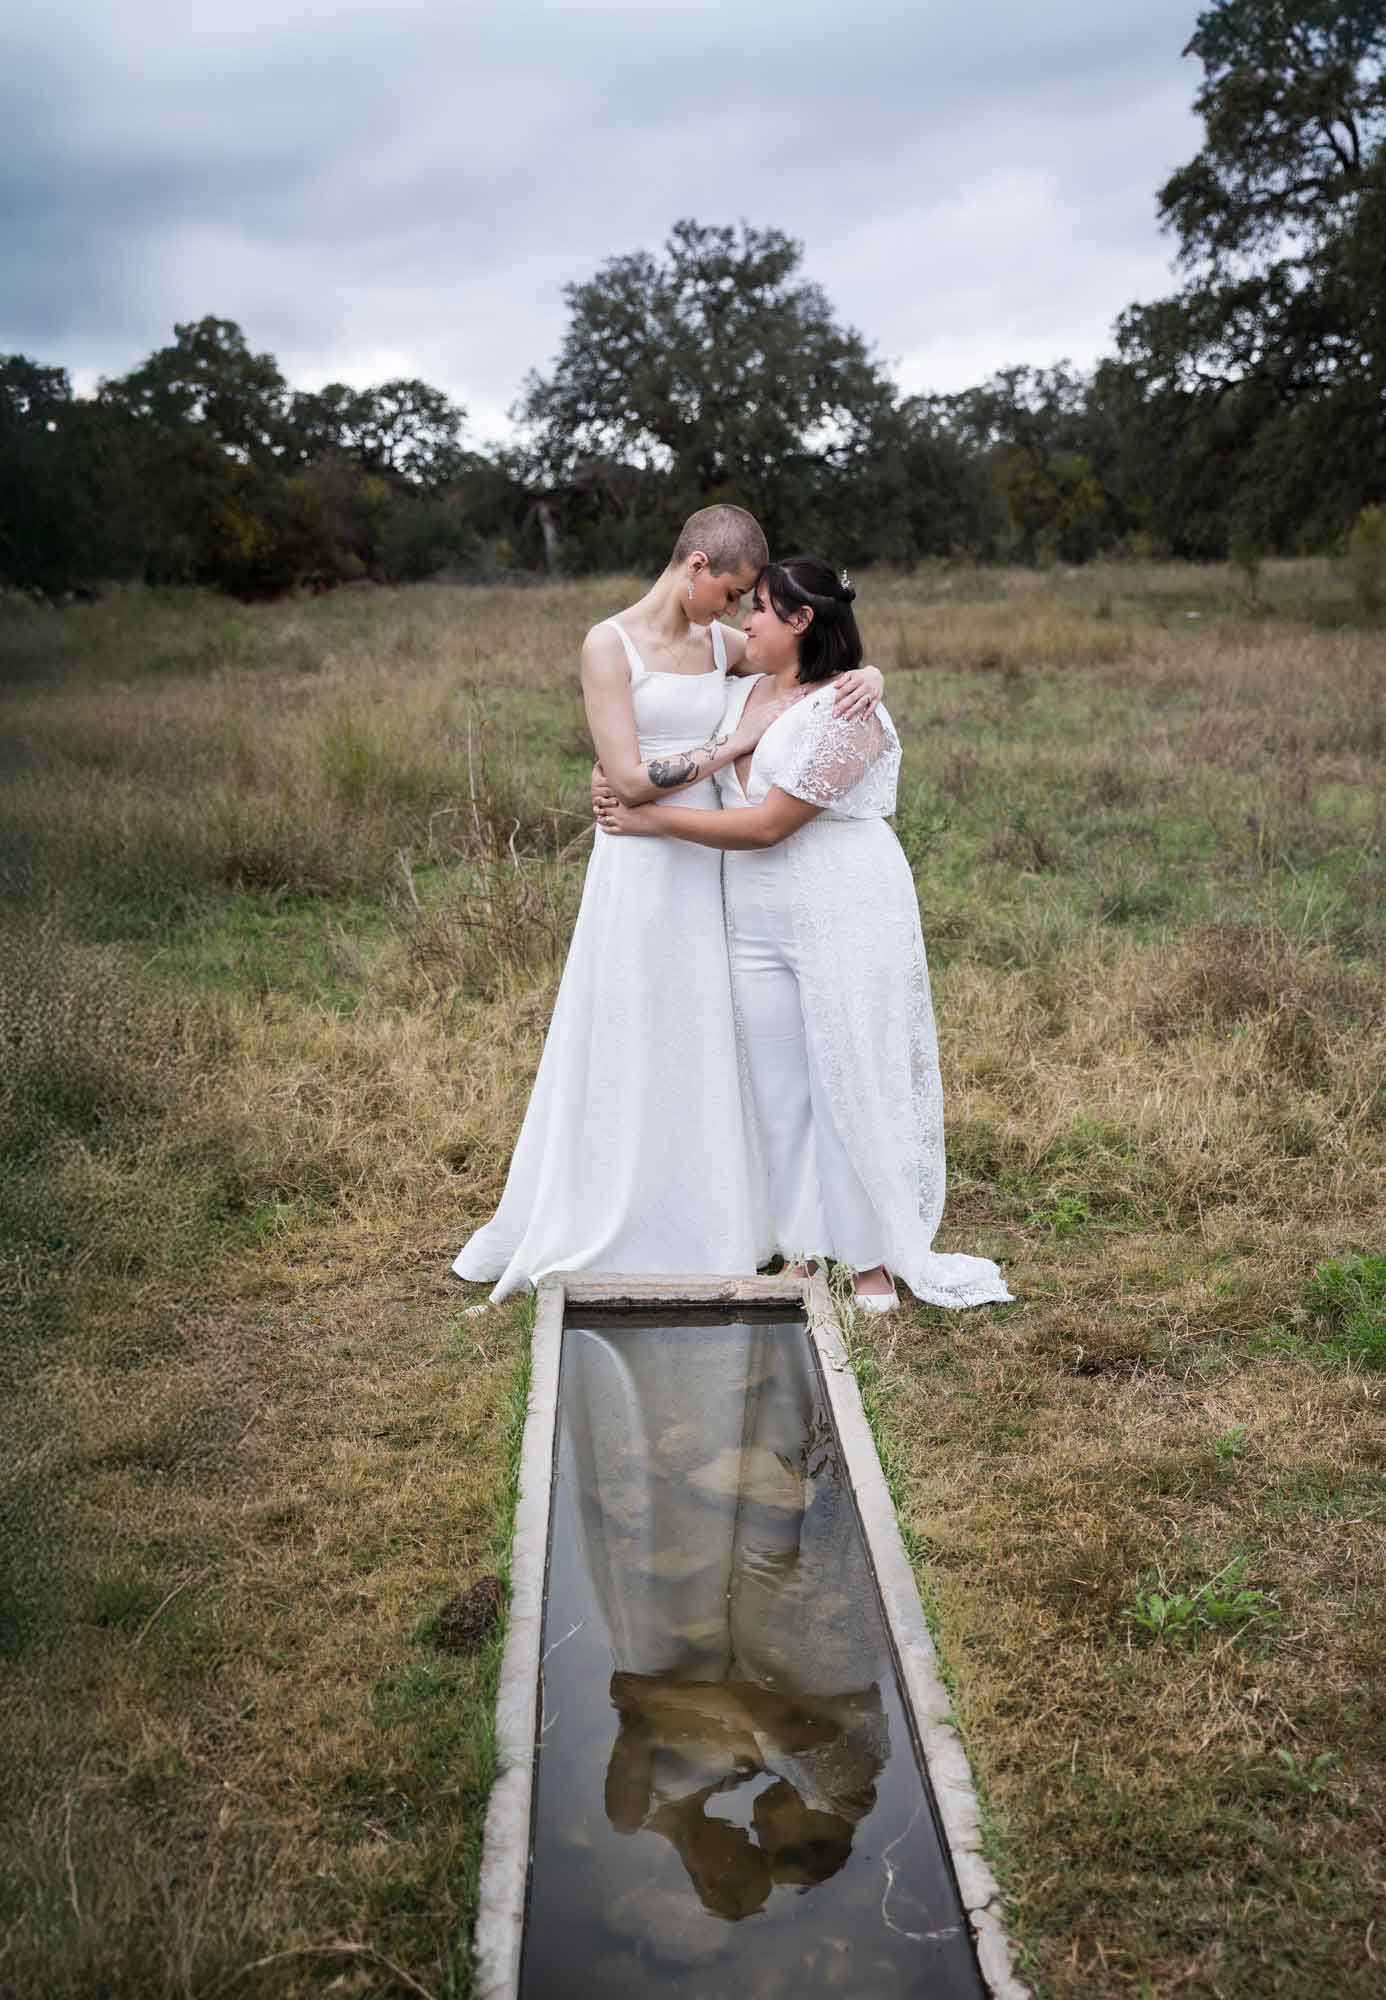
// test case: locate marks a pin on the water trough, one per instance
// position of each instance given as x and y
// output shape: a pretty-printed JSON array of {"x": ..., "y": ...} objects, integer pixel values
[{"x": 726, "y": 1761}]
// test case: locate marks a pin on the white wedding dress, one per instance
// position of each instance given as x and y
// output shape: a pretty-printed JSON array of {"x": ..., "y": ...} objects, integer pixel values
[
  {"x": 634, "y": 1154},
  {"x": 832, "y": 994}
]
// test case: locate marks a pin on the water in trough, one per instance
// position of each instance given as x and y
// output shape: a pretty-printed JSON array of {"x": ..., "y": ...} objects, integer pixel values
[{"x": 729, "y": 1803}]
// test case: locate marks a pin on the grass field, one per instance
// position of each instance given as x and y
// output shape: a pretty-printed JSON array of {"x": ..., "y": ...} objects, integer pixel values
[{"x": 285, "y": 895}]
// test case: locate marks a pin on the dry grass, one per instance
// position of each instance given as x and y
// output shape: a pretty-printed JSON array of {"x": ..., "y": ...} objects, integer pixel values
[
  {"x": 1193, "y": 1814},
  {"x": 286, "y": 891},
  {"x": 232, "y": 1739}
]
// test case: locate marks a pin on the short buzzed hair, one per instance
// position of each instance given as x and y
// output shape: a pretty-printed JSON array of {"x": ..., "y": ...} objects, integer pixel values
[{"x": 728, "y": 536}]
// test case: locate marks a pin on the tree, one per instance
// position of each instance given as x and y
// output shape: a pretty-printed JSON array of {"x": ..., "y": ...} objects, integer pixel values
[
  {"x": 32, "y": 397},
  {"x": 1051, "y": 450},
  {"x": 1264, "y": 381},
  {"x": 403, "y": 430},
  {"x": 1293, "y": 104},
  {"x": 715, "y": 364},
  {"x": 68, "y": 500},
  {"x": 35, "y": 535},
  {"x": 208, "y": 380}
]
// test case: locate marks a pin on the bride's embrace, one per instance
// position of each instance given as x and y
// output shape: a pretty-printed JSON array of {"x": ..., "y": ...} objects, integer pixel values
[
  {"x": 636, "y": 1153},
  {"x": 827, "y": 959}
]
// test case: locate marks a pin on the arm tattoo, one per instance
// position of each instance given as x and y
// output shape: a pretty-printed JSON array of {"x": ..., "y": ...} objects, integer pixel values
[{"x": 666, "y": 772}]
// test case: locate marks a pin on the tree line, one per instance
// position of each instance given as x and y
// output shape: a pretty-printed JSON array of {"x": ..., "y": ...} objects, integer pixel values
[{"x": 1245, "y": 414}]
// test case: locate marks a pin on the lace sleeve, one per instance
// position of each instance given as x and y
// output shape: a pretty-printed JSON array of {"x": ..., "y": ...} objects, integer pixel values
[{"x": 830, "y": 756}]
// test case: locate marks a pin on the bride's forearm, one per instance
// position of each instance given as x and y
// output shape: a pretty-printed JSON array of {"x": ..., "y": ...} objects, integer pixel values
[
  {"x": 734, "y": 832},
  {"x": 675, "y": 771},
  {"x": 706, "y": 829},
  {"x": 688, "y": 767}
]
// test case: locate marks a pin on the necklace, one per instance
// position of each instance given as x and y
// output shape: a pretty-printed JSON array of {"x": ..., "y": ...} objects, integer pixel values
[{"x": 671, "y": 651}]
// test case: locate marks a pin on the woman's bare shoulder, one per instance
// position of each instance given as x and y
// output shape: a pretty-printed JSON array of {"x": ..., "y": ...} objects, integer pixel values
[
  {"x": 603, "y": 664},
  {"x": 603, "y": 634},
  {"x": 602, "y": 642}
]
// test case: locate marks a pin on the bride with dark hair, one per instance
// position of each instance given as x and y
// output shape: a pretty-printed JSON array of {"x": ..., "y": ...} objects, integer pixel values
[{"x": 829, "y": 977}]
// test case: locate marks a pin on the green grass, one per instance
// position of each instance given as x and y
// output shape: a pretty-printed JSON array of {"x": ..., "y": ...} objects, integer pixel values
[
  {"x": 258, "y": 945},
  {"x": 1349, "y": 1294}
]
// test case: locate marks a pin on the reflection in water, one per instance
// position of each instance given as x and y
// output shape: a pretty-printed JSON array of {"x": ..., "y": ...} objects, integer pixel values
[
  {"x": 720, "y": 1652},
  {"x": 738, "y": 1591},
  {"x": 683, "y": 1743}
]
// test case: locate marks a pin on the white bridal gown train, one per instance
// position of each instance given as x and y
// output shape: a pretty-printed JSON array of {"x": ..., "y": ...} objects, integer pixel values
[{"x": 634, "y": 1154}]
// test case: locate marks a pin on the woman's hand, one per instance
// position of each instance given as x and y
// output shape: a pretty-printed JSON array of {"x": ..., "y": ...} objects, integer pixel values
[
  {"x": 858, "y": 692},
  {"x": 602, "y": 794},
  {"x": 752, "y": 727},
  {"x": 613, "y": 817}
]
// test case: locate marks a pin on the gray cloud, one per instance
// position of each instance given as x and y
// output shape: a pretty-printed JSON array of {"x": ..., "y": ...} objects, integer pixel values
[{"x": 370, "y": 193}]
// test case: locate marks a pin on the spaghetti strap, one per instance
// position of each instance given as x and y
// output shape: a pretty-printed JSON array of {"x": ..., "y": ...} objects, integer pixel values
[
  {"x": 638, "y": 669},
  {"x": 719, "y": 647}
]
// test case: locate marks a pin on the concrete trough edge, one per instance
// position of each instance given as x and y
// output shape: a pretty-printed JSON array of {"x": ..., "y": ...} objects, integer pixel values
[
  {"x": 504, "y": 1879},
  {"x": 505, "y": 1848},
  {"x": 605, "y": 1288},
  {"x": 923, "y": 1686}
]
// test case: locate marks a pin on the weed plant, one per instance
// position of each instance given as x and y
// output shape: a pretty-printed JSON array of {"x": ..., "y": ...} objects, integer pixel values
[
  {"x": 1224, "y": 1601},
  {"x": 1349, "y": 1295}
]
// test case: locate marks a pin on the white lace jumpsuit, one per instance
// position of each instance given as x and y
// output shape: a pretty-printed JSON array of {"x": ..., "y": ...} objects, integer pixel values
[{"x": 834, "y": 1010}]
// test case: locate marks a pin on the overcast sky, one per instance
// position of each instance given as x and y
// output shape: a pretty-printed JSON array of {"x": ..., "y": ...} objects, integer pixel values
[{"x": 405, "y": 189}]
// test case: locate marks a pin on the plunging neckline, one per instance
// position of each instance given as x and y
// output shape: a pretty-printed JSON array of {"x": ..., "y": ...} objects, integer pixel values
[{"x": 781, "y": 717}]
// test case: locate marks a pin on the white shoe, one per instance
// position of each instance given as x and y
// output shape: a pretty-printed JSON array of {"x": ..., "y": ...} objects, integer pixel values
[{"x": 878, "y": 1302}]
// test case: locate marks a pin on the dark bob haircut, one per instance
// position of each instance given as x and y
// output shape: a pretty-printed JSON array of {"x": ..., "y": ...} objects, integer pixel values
[{"x": 832, "y": 643}]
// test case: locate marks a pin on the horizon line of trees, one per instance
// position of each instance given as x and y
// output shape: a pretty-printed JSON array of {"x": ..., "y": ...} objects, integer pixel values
[{"x": 1243, "y": 415}]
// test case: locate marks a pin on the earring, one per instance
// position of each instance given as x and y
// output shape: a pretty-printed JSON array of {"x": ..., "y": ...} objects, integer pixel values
[{"x": 690, "y": 592}]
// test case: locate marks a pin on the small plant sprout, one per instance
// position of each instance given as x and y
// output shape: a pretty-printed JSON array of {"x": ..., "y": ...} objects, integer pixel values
[
  {"x": 1227, "y": 1600},
  {"x": 1069, "y": 1214},
  {"x": 1224, "y": 1601},
  {"x": 1348, "y": 1294},
  {"x": 1231, "y": 1444},
  {"x": 1310, "y": 1777},
  {"x": 1163, "y": 1617}
]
